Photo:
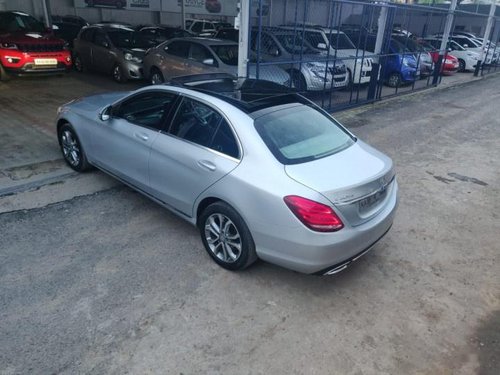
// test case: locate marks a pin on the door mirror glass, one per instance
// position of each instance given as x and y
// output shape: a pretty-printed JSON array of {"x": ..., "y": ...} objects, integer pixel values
[
  {"x": 208, "y": 62},
  {"x": 105, "y": 114},
  {"x": 274, "y": 52},
  {"x": 321, "y": 46},
  {"x": 466, "y": 46}
]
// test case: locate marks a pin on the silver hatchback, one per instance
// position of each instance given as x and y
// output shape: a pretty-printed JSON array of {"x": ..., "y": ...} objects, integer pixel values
[
  {"x": 194, "y": 55},
  {"x": 262, "y": 173},
  {"x": 111, "y": 49}
]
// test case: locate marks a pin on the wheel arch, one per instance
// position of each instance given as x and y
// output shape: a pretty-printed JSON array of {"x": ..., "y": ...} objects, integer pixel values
[
  {"x": 60, "y": 123},
  {"x": 205, "y": 202}
]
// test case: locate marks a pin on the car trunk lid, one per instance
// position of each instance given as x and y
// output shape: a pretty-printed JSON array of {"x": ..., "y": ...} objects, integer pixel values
[{"x": 357, "y": 180}]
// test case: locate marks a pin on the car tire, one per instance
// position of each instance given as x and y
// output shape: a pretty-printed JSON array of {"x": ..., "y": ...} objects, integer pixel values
[
  {"x": 394, "y": 80},
  {"x": 118, "y": 75},
  {"x": 298, "y": 80},
  {"x": 78, "y": 64},
  {"x": 461, "y": 65},
  {"x": 72, "y": 149},
  {"x": 156, "y": 77},
  {"x": 350, "y": 83},
  {"x": 226, "y": 237},
  {"x": 4, "y": 76}
]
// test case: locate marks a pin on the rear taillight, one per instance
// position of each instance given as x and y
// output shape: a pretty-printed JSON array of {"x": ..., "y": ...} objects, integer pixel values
[{"x": 314, "y": 215}]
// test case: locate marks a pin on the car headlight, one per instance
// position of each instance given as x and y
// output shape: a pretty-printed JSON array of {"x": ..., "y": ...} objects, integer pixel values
[
  {"x": 318, "y": 70},
  {"x": 9, "y": 46},
  {"x": 129, "y": 57}
]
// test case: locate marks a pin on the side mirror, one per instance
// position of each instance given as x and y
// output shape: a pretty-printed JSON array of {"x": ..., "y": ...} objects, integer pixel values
[
  {"x": 105, "y": 114},
  {"x": 449, "y": 49},
  {"x": 321, "y": 46},
  {"x": 55, "y": 27},
  {"x": 208, "y": 62},
  {"x": 466, "y": 46},
  {"x": 274, "y": 52}
]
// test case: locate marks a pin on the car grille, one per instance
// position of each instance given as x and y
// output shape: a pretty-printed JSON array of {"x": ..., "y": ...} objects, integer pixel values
[
  {"x": 53, "y": 47},
  {"x": 337, "y": 70}
]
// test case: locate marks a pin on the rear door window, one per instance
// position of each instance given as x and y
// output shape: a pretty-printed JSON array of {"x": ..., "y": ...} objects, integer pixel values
[
  {"x": 198, "y": 123},
  {"x": 178, "y": 48}
]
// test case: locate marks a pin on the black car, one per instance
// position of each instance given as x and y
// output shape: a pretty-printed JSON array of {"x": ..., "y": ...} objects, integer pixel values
[
  {"x": 162, "y": 33},
  {"x": 228, "y": 33}
]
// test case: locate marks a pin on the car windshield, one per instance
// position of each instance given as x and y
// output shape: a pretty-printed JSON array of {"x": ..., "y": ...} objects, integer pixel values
[
  {"x": 454, "y": 46},
  {"x": 301, "y": 134},
  {"x": 339, "y": 40},
  {"x": 294, "y": 43},
  {"x": 228, "y": 54},
  {"x": 400, "y": 47},
  {"x": 15, "y": 21},
  {"x": 411, "y": 44},
  {"x": 129, "y": 39}
]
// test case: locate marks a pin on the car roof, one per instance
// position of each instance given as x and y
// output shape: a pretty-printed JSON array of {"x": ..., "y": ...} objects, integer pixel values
[
  {"x": 307, "y": 27},
  {"x": 205, "y": 41},
  {"x": 249, "y": 95}
]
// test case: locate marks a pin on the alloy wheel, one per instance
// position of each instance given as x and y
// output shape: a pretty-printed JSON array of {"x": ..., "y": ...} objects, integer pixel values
[
  {"x": 70, "y": 148},
  {"x": 223, "y": 238},
  {"x": 117, "y": 73},
  {"x": 156, "y": 78}
]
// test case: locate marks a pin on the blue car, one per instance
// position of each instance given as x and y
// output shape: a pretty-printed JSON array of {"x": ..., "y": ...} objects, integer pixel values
[{"x": 398, "y": 64}]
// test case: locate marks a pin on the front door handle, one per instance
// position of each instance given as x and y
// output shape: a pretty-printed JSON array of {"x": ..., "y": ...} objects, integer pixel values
[
  {"x": 141, "y": 136},
  {"x": 207, "y": 165}
]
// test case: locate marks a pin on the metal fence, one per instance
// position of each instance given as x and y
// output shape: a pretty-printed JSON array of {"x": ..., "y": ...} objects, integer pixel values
[{"x": 347, "y": 53}]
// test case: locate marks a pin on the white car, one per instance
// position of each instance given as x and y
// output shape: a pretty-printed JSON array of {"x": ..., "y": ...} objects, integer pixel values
[
  {"x": 337, "y": 44},
  {"x": 467, "y": 59}
]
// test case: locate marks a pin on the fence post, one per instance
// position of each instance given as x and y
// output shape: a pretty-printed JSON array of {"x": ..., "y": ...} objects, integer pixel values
[
  {"x": 244, "y": 37},
  {"x": 486, "y": 38},
  {"x": 443, "y": 51},
  {"x": 375, "y": 73}
]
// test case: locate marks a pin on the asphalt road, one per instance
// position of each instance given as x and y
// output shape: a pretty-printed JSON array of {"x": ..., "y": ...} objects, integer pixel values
[{"x": 110, "y": 283}]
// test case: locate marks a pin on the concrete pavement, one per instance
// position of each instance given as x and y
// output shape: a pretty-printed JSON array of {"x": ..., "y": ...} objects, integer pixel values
[{"x": 111, "y": 283}]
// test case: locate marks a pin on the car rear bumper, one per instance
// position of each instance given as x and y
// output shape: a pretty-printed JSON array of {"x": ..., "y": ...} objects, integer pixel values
[{"x": 311, "y": 252}]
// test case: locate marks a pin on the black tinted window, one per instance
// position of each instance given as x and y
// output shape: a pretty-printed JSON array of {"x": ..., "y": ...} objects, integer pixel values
[
  {"x": 17, "y": 21},
  {"x": 147, "y": 109},
  {"x": 180, "y": 49},
  {"x": 197, "y": 27},
  {"x": 87, "y": 34},
  {"x": 199, "y": 52},
  {"x": 200, "y": 124}
]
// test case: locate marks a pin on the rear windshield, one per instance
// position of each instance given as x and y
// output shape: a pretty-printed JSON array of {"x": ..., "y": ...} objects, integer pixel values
[{"x": 301, "y": 134}]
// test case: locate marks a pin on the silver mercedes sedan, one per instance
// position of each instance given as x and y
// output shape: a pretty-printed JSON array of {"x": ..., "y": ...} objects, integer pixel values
[{"x": 261, "y": 172}]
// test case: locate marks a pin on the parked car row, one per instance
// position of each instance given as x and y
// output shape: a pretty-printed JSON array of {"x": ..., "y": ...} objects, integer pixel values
[{"x": 305, "y": 57}]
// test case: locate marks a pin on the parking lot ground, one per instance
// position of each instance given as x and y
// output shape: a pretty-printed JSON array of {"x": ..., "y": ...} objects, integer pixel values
[{"x": 102, "y": 280}]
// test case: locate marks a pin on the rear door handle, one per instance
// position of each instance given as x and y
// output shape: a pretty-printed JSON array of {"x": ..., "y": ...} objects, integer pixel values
[
  {"x": 141, "y": 136},
  {"x": 207, "y": 165}
]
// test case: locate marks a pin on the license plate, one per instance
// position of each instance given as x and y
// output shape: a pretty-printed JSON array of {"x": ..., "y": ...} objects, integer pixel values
[
  {"x": 45, "y": 61},
  {"x": 370, "y": 201}
]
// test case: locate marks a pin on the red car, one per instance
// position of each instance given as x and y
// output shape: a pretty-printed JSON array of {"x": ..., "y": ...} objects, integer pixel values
[
  {"x": 450, "y": 63},
  {"x": 26, "y": 46}
]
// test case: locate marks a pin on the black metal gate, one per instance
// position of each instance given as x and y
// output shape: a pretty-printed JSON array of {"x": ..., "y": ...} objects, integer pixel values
[{"x": 336, "y": 53}]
